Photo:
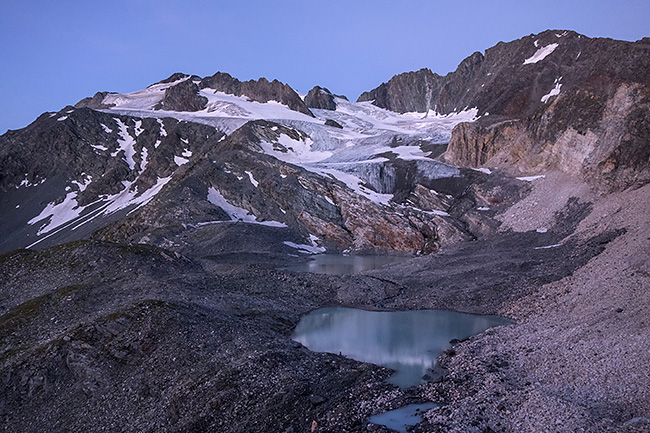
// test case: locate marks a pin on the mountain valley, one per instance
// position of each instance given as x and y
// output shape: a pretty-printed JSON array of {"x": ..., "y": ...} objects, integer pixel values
[{"x": 142, "y": 236}]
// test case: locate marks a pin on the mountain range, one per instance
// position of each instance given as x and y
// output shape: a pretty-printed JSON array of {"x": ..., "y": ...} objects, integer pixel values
[{"x": 134, "y": 226}]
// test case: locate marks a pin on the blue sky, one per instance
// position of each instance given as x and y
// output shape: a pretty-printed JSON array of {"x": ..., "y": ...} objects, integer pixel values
[{"x": 54, "y": 53}]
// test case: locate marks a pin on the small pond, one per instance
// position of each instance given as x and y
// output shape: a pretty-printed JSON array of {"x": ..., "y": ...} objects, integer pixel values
[
  {"x": 400, "y": 418},
  {"x": 335, "y": 264},
  {"x": 406, "y": 341}
]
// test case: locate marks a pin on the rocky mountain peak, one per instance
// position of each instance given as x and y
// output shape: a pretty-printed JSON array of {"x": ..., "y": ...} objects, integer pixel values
[
  {"x": 183, "y": 96},
  {"x": 96, "y": 102},
  {"x": 545, "y": 95},
  {"x": 256, "y": 90},
  {"x": 320, "y": 98}
]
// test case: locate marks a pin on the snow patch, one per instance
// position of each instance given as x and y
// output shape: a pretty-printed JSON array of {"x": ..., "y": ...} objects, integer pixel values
[
  {"x": 548, "y": 246},
  {"x": 58, "y": 213},
  {"x": 99, "y": 147},
  {"x": 541, "y": 230},
  {"x": 62, "y": 118},
  {"x": 554, "y": 91},
  {"x": 252, "y": 179},
  {"x": 129, "y": 197},
  {"x": 294, "y": 151},
  {"x": 163, "y": 132},
  {"x": 144, "y": 159},
  {"x": 483, "y": 170},
  {"x": 28, "y": 184},
  {"x": 138, "y": 128},
  {"x": 180, "y": 160},
  {"x": 531, "y": 178},
  {"x": 106, "y": 128},
  {"x": 237, "y": 213},
  {"x": 125, "y": 143},
  {"x": 307, "y": 249},
  {"x": 541, "y": 54},
  {"x": 69, "y": 212}
]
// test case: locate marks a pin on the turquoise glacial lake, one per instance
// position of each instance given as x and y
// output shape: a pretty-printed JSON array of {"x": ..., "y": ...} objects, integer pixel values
[{"x": 408, "y": 342}]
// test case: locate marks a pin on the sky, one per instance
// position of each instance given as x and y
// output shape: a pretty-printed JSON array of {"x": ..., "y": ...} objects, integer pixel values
[{"x": 55, "y": 53}]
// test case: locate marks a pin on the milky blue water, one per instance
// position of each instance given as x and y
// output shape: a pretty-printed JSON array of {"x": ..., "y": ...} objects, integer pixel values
[
  {"x": 408, "y": 342},
  {"x": 400, "y": 418}
]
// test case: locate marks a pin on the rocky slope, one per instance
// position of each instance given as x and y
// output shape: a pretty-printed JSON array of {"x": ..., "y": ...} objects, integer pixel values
[{"x": 155, "y": 166}]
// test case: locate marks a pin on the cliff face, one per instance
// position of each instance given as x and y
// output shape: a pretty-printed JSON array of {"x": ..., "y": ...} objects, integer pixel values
[
  {"x": 610, "y": 150},
  {"x": 557, "y": 100}
]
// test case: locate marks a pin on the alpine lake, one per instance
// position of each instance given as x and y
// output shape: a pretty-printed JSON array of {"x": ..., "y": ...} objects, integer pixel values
[{"x": 408, "y": 342}]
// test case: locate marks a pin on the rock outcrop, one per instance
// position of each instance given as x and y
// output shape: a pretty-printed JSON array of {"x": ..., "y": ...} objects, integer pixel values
[
  {"x": 511, "y": 79},
  {"x": 333, "y": 123},
  {"x": 96, "y": 102},
  {"x": 256, "y": 90},
  {"x": 607, "y": 143},
  {"x": 320, "y": 98},
  {"x": 76, "y": 158},
  {"x": 183, "y": 96}
]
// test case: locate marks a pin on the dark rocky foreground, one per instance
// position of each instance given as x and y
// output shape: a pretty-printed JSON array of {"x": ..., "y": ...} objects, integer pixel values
[{"x": 107, "y": 337}]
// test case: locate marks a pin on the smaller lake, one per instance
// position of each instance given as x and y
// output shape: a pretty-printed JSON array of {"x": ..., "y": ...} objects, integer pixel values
[
  {"x": 400, "y": 418},
  {"x": 336, "y": 264},
  {"x": 408, "y": 342}
]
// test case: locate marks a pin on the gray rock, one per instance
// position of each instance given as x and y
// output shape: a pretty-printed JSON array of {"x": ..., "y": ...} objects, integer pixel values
[
  {"x": 320, "y": 98},
  {"x": 261, "y": 90},
  {"x": 333, "y": 123},
  {"x": 96, "y": 102},
  {"x": 183, "y": 96}
]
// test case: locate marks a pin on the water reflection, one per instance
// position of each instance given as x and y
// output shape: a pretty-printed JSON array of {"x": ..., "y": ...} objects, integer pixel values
[
  {"x": 335, "y": 264},
  {"x": 406, "y": 341}
]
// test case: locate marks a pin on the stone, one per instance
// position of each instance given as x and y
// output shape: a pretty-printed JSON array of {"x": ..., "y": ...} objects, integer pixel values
[
  {"x": 316, "y": 399},
  {"x": 333, "y": 123}
]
